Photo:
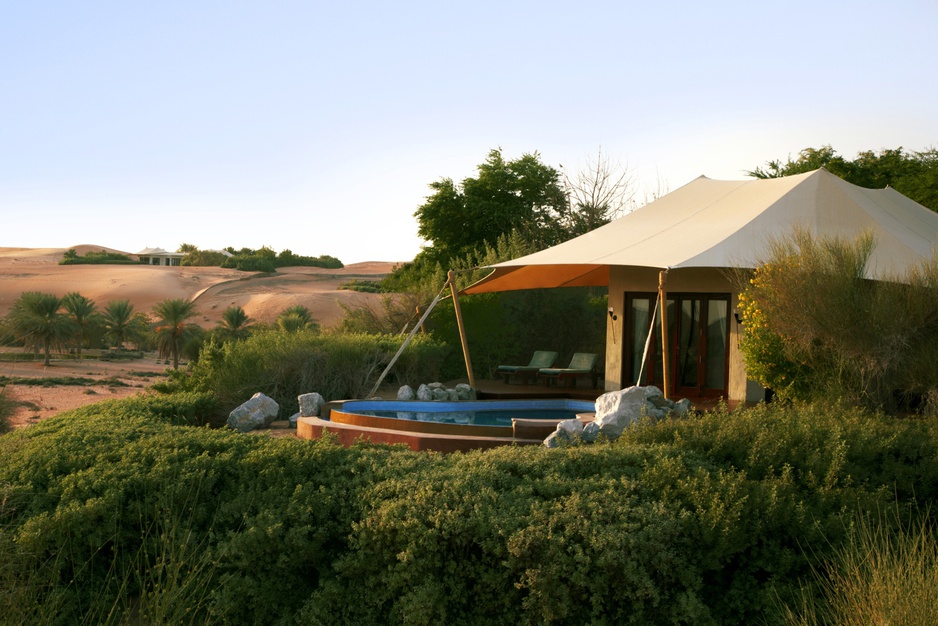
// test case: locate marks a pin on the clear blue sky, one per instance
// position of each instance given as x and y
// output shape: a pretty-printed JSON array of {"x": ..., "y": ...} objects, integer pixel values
[{"x": 317, "y": 126}]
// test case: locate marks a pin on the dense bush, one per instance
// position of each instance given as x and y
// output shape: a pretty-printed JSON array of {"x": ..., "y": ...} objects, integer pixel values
[
  {"x": 284, "y": 365},
  {"x": 709, "y": 520},
  {"x": 108, "y": 512},
  {"x": 364, "y": 286},
  {"x": 873, "y": 343},
  {"x": 204, "y": 258},
  {"x": 266, "y": 260},
  {"x": 101, "y": 257},
  {"x": 252, "y": 263}
]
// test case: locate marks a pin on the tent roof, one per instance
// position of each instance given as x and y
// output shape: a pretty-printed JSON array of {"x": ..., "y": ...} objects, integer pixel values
[{"x": 718, "y": 223}]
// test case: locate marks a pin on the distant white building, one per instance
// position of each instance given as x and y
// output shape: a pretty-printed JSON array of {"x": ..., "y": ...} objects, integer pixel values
[{"x": 158, "y": 256}]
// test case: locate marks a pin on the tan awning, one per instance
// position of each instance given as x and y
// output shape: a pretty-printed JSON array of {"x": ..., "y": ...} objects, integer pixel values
[{"x": 711, "y": 223}]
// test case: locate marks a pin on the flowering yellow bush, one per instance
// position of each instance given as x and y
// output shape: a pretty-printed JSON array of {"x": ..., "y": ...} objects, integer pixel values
[{"x": 768, "y": 355}]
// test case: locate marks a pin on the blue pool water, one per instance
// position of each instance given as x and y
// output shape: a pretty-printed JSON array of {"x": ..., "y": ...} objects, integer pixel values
[{"x": 470, "y": 413}]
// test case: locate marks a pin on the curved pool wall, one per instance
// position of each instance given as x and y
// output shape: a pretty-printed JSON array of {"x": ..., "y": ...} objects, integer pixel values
[{"x": 457, "y": 418}]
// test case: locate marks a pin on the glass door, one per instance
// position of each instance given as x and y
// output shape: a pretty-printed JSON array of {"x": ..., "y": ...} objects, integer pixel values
[{"x": 698, "y": 343}]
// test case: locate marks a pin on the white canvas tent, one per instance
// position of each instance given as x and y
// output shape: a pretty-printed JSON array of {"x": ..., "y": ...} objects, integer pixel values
[
  {"x": 719, "y": 224},
  {"x": 695, "y": 233}
]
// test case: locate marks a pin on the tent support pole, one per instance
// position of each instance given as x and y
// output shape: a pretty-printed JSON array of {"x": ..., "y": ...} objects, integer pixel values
[
  {"x": 451, "y": 279},
  {"x": 663, "y": 306},
  {"x": 406, "y": 341}
]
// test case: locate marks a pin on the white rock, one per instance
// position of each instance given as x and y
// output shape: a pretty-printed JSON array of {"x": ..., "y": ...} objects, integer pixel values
[
  {"x": 257, "y": 412},
  {"x": 573, "y": 428},
  {"x": 310, "y": 404},
  {"x": 590, "y": 432}
]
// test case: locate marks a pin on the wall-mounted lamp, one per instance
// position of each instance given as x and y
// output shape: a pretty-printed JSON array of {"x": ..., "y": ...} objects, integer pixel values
[
  {"x": 612, "y": 314},
  {"x": 739, "y": 320}
]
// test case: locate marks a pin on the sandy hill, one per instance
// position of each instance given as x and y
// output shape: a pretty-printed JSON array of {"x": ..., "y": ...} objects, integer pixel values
[{"x": 213, "y": 288}]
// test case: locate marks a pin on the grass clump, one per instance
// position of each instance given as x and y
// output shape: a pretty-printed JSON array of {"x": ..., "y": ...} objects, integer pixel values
[{"x": 885, "y": 573}]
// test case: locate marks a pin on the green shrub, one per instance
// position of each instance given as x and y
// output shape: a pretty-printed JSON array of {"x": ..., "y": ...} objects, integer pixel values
[
  {"x": 204, "y": 258},
  {"x": 818, "y": 328},
  {"x": 93, "y": 504},
  {"x": 92, "y": 257},
  {"x": 707, "y": 520},
  {"x": 284, "y": 365},
  {"x": 364, "y": 286},
  {"x": 266, "y": 260}
]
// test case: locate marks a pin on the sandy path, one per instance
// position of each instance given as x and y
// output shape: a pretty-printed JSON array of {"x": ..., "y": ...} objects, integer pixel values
[{"x": 37, "y": 402}]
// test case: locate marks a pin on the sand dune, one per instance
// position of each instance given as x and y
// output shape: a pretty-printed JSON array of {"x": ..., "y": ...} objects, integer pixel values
[{"x": 213, "y": 289}]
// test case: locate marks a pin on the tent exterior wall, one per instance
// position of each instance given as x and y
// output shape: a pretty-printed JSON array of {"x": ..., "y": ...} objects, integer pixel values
[{"x": 628, "y": 280}]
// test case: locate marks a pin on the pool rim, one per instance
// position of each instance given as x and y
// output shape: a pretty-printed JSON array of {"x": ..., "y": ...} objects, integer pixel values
[{"x": 339, "y": 415}]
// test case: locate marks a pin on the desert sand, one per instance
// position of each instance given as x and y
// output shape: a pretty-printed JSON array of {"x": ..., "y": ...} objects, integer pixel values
[{"x": 213, "y": 289}]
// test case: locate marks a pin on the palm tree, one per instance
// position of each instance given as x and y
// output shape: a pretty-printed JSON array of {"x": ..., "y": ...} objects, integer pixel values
[
  {"x": 118, "y": 321},
  {"x": 172, "y": 330},
  {"x": 296, "y": 317},
  {"x": 82, "y": 312},
  {"x": 234, "y": 324},
  {"x": 37, "y": 320}
]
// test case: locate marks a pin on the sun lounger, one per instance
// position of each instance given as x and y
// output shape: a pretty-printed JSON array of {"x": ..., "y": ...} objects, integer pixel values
[
  {"x": 541, "y": 359},
  {"x": 582, "y": 365}
]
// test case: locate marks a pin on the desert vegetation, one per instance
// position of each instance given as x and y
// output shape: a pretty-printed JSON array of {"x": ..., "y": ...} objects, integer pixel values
[
  {"x": 96, "y": 257},
  {"x": 872, "y": 343},
  {"x": 127, "y": 510},
  {"x": 263, "y": 259}
]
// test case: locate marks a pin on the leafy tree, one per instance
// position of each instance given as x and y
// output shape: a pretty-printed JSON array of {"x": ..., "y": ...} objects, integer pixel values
[
  {"x": 172, "y": 328},
  {"x": 234, "y": 324},
  {"x": 914, "y": 174},
  {"x": 121, "y": 323},
  {"x": 82, "y": 312},
  {"x": 523, "y": 195},
  {"x": 187, "y": 248},
  {"x": 39, "y": 322}
]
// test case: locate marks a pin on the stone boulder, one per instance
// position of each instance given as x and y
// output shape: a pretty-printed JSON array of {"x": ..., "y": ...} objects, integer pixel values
[
  {"x": 406, "y": 393},
  {"x": 424, "y": 393},
  {"x": 590, "y": 432},
  {"x": 617, "y": 410},
  {"x": 258, "y": 412},
  {"x": 310, "y": 404},
  {"x": 573, "y": 428},
  {"x": 465, "y": 392}
]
